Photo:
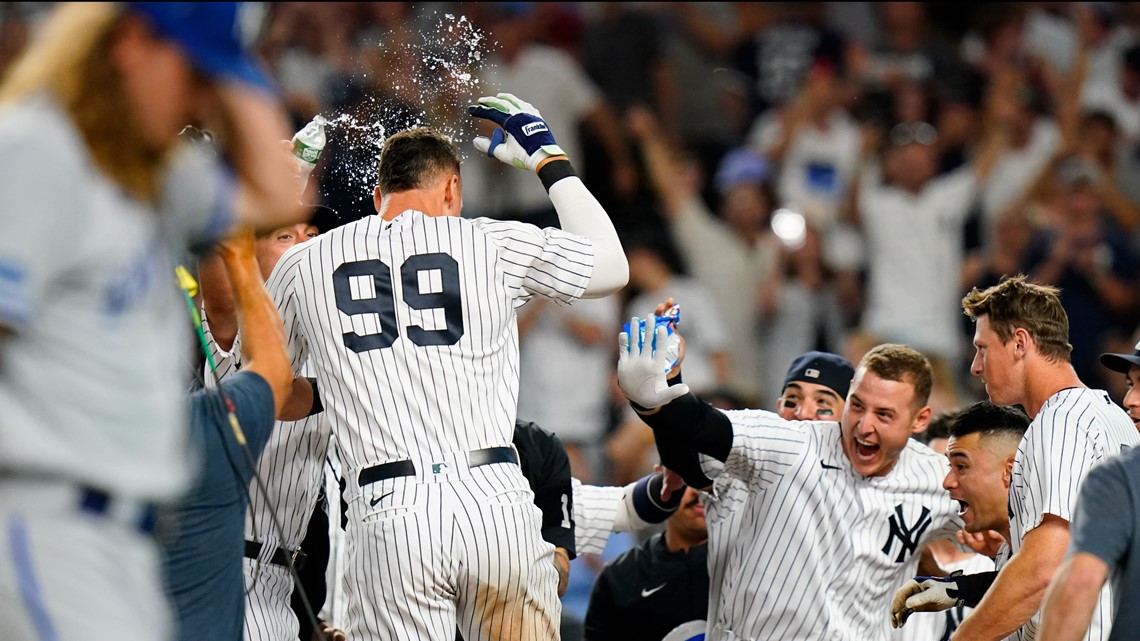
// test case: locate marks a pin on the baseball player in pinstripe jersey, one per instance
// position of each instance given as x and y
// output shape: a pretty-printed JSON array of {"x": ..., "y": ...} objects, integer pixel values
[
  {"x": 1023, "y": 356},
  {"x": 291, "y": 466},
  {"x": 409, "y": 320},
  {"x": 837, "y": 511}
]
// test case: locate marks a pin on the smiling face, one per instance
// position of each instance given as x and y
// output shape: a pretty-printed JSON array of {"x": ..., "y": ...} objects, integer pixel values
[
  {"x": 270, "y": 247},
  {"x": 803, "y": 401},
  {"x": 980, "y": 471},
  {"x": 996, "y": 364},
  {"x": 688, "y": 522},
  {"x": 878, "y": 420}
]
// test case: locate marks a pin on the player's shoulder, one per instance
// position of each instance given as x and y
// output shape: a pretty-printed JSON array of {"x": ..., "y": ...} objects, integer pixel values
[
  {"x": 35, "y": 130},
  {"x": 1080, "y": 410},
  {"x": 918, "y": 455}
]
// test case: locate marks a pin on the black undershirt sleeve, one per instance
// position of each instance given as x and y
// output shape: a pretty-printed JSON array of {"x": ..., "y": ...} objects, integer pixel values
[{"x": 685, "y": 428}]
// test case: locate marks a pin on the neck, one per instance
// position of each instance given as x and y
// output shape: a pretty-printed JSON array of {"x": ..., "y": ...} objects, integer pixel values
[
  {"x": 1046, "y": 380},
  {"x": 677, "y": 542},
  {"x": 398, "y": 203}
]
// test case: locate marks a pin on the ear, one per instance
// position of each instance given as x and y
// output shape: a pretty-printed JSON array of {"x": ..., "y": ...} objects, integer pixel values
[
  {"x": 453, "y": 196},
  {"x": 921, "y": 420},
  {"x": 1007, "y": 471},
  {"x": 1021, "y": 341},
  {"x": 377, "y": 200}
]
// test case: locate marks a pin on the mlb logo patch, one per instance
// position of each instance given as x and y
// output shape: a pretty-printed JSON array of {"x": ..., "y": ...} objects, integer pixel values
[
  {"x": 812, "y": 373},
  {"x": 533, "y": 128}
]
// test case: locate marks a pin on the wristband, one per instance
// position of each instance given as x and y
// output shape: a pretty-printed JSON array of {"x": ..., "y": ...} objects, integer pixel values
[
  {"x": 554, "y": 171},
  {"x": 317, "y": 407}
]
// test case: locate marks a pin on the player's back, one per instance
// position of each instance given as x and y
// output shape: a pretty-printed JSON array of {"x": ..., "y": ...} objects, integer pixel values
[{"x": 411, "y": 327}]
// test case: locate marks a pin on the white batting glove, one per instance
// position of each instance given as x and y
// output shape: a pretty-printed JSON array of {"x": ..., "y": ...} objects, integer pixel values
[
  {"x": 524, "y": 139},
  {"x": 641, "y": 368},
  {"x": 924, "y": 594}
]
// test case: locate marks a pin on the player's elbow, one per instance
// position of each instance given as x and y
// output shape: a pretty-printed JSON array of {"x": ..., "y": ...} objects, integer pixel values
[{"x": 611, "y": 273}]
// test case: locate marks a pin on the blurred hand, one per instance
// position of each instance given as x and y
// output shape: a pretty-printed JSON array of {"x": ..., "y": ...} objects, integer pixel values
[
  {"x": 329, "y": 633},
  {"x": 986, "y": 543},
  {"x": 562, "y": 564}
]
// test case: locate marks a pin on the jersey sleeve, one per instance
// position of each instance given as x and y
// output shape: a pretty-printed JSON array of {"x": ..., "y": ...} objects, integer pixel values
[
  {"x": 40, "y": 211},
  {"x": 595, "y": 508},
  {"x": 197, "y": 198},
  {"x": 540, "y": 262},
  {"x": 764, "y": 446},
  {"x": 1058, "y": 454},
  {"x": 282, "y": 288},
  {"x": 1102, "y": 524}
]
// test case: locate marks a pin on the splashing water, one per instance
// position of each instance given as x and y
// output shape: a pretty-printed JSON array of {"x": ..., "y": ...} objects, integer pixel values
[{"x": 426, "y": 79}]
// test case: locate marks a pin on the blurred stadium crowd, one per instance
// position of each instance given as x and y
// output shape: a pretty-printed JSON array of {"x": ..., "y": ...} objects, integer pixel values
[{"x": 812, "y": 175}]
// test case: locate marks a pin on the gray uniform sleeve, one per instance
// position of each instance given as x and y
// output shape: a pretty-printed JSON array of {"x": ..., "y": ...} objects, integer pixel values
[
  {"x": 197, "y": 198},
  {"x": 40, "y": 213},
  {"x": 1102, "y": 523}
]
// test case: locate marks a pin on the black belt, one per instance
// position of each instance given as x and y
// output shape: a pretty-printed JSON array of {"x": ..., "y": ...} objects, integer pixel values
[
  {"x": 396, "y": 469},
  {"x": 98, "y": 502},
  {"x": 280, "y": 556}
]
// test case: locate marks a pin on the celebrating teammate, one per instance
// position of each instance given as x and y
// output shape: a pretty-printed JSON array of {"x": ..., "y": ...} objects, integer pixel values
[
  {"x": 1021, "y": 338},
  {"x": 819, "y": 495},
  {"x": 99, "y": 198},
  {"x": 409, "y": 318},
  {"x": 1106, "y": 542}
]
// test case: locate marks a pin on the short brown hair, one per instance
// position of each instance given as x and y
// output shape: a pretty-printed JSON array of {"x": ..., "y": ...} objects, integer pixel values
[
  {"x": 414, "y": 158},
  {"x": 1014, "y": 302},
  {"x": 902, "y": 364}
]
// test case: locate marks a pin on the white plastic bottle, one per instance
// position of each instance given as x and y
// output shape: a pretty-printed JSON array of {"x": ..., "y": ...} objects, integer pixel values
[{"x": 308, "y": 144}]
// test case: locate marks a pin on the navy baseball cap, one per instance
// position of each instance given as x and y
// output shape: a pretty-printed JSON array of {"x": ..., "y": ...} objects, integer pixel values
[
  {"x": 324, "y": 218},
  {"x": 1121, "y": 362},
  {"x": 822, "y": 368},
  {"x": 215, "y": 36}
]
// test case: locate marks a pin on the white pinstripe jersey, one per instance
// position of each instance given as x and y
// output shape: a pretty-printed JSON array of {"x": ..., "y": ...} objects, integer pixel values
[
  {"x": 803, "y": 547},
  {"x": 291, "y": 465},
  {"x": 595, "y": 508},
  {"x": 411, "y": 330},
  {"x": 1076, "y": 430}
]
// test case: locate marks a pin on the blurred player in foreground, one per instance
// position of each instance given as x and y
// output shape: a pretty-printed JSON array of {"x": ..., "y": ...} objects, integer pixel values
[{"x": 100, "y": 199}]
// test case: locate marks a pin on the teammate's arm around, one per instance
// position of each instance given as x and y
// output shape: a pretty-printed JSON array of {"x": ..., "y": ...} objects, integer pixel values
[{"x": 525, "y": 141}]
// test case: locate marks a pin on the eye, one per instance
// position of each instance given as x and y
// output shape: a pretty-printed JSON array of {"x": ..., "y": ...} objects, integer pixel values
[
  {"x": 312, "y": 234},
  {"x": 285, "y": 237}
]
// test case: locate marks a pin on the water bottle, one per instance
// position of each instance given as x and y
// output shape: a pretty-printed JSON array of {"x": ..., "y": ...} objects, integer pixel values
[
  {"x": 673, "y": 343},
  {"x": 308, "y": 145}
]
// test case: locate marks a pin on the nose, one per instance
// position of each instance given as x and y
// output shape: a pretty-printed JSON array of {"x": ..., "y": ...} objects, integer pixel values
[
  {"x": 976, "y": 365},
  {"x": 950, "y": 482},
  {"x": 801, "y": 412}
]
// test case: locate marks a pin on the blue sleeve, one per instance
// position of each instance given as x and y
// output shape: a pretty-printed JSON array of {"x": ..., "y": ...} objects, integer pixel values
[
  {"x": 1102, "y": 522},
  {"x": 252, "y": 401}
]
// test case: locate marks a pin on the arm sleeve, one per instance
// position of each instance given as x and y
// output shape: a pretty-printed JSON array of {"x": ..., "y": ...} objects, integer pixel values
[
  {"x": 541, "y": 262},
  {"x": 252, "y": 401},
  {"x": 41, "y": 210},
  {"x": 553, "y": 492},
  {"x": 580, "y": 213},
  {"x": 595, "y": 510},
  {"x": 197, "y": 197},
  {"x": 1102, "y": 524}
]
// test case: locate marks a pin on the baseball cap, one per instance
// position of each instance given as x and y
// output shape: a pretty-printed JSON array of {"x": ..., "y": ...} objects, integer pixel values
[
  {"x": 741, "y": 165},
  {"x": 324, "y": 218},
  {"x": 822, "y": 368},
  {"x": 215, "y": 36},
  {"x": 1121, "y": 362}
]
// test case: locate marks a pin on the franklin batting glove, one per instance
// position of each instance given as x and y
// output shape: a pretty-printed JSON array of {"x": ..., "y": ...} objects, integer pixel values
[
  {"x": 524, "y": 140},
  {"x": 641, "y": 367},
  {"x": 925, "y": 594}
]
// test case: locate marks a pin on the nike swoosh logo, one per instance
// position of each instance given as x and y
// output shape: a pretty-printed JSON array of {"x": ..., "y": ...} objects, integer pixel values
[
  {"x": 828, "y": 467},
  {"x": 645, "y": 593},
  {"x": 376, "y": 500}
]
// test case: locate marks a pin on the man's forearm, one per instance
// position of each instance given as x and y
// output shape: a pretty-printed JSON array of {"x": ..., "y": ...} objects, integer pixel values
[
  {"x": 686, "y": 428},
  {"x": 1017, "y": 593},
  {"x": 1072, "y": 598}
]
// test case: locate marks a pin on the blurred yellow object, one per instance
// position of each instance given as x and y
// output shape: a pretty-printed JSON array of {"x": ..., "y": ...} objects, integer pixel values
[{"x": 186, "y": 281}]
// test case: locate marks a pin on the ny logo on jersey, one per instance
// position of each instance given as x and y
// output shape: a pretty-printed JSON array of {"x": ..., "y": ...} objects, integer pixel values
[{"x": 908, "y": 535}]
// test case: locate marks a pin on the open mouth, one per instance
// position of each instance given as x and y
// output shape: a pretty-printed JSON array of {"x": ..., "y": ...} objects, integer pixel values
[
  {"x": 963, "y": 507},
  {"x": 865, "y": 450}
]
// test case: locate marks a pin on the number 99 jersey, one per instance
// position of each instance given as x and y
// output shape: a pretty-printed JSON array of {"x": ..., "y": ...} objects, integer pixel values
[{"x": 411, "y": 330}]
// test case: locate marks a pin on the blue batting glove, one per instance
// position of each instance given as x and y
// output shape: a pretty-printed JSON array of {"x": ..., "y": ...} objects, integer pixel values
[{"x": 525, "y": 139}]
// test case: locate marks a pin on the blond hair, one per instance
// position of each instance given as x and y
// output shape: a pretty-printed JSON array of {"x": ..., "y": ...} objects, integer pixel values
[
  {"x": 901, "y": 364},
  {"x": 1014, "y": 303},
  {"x": 71, "y": 59}
]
